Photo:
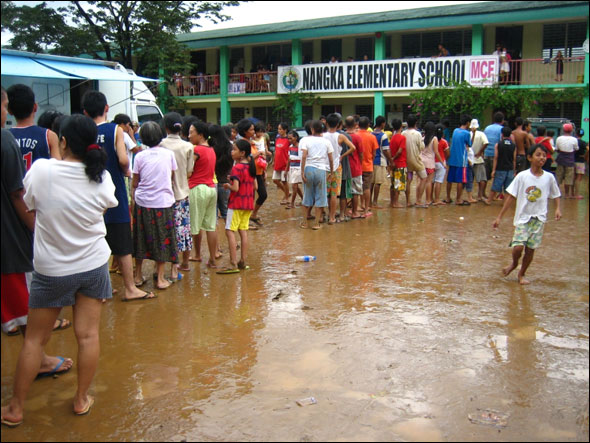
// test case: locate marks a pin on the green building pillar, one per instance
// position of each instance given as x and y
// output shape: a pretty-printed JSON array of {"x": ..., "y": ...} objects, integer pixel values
[
  {"x": 296, "y": 59},
  {"x": 223, "y": 82},
  {"x": 585, "y": 105},
  {"x": 378, "y": 99},
  {"x": 477, "y": 40},
  {"x": 162, "y": 90}
]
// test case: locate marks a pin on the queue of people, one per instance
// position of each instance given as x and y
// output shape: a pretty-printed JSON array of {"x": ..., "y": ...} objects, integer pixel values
[{"x": 112, "y": 196}]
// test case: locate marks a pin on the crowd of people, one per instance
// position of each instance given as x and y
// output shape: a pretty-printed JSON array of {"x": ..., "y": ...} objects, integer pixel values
[{"x": 91, "y": 189}]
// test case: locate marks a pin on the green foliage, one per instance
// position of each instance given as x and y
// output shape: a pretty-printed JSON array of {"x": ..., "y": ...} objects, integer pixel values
[
  {"x": 285, "y": 105},
  {"x": 463, "y": 98}
]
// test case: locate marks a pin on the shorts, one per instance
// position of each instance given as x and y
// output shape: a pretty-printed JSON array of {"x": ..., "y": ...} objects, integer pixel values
[
  {"x": 346, "y": 189},
  {"x": 182, "y": 224},
  {"x": 479, "y": 173},
  {"x": 379, "y": 174},
  {"x": 279, "y": 175},
  {"x": 203, "y": 205},
  {"x": 469, "y": 184},
  {"x": 528, "y": 234},
  {"x": 57, "y": 292},
  {"x": 294, "y": 176},
  {"x": 238, "y": 219},
  {"x": 580, "y": 168},
  {"x": 457, "y": 175},
  {"x": 356, "y": 185},
  {"x": 314, "y": 191},
  {"x": 119, "y": 238},
  {"x": 489, "y": 165},
  {"x": 367, "y": 179},
  {"x": 521, "y": 163},
  {"x": 502, "y": 180},
  {"x": 333, "y": 182},
  {"x": 565, "y": 175},
  {"x": 399, "y": 179},
  {"x": 439, "y": 173},
  {"x": 15, "y": 300}
]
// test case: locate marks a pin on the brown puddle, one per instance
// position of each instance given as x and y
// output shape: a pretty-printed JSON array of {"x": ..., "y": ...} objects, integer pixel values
[{"x": 400, "y": 329}]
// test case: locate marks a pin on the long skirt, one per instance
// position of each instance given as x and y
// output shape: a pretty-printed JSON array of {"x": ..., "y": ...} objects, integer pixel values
[{"x": 154, "y": 236}]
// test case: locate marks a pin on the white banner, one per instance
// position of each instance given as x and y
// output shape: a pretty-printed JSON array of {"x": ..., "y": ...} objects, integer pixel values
[{"x": 389, "y": 75}]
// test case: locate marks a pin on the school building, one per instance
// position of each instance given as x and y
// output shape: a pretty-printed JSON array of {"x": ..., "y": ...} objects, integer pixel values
[{"x": 368, "y": 64}]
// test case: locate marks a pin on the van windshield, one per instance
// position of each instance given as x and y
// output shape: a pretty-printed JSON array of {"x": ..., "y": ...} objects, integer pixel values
[{"x": 147, "y": 113}]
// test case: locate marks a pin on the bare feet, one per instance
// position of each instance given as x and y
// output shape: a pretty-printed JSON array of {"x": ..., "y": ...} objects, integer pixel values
[
  {"x": 398, "y": 206},
  {"x": 195, "y": 259},
  {"x": 523, "y": 281},
  {"x": 508, "y": 269}
]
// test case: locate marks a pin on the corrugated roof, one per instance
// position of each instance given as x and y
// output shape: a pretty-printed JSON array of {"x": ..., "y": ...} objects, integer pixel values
[{"x": 483, "y": 9}]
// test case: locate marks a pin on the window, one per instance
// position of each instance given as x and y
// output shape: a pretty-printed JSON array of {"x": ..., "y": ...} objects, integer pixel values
[
  {"x": 331, "y": 48},
  {"x": 236, "y": 60},
  {"x": 307, "y": 113},
  {"x": 237, "y": 114},
  {"x": 307, "y": 56},
  {"x": 364, "y": 111},
  {"x": 565, "y": 37},
  {"x": 364, "y": 46},
  {"x": 425, "y": 44},
  {"x": 199, "y": 62},
  {"x": 571, "y": 110},
  {"x": 271, "y": 56},
  {"x": 148, "y": 113},
  {"x": 200, "y": 113}
]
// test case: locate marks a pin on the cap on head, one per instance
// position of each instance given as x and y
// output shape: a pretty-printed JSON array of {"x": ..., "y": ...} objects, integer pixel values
[
  {"x": 474, "y": 124},
  {"x": 568, "y": 128}
]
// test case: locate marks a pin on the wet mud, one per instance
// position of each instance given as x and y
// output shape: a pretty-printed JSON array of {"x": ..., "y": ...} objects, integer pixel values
[{"x": 403, "y": 329}]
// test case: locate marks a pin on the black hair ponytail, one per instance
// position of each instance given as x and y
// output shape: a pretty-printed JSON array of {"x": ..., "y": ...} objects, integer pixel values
[
  {"x": 245, "y": 147},
  {"x": 81, "y": 133}
]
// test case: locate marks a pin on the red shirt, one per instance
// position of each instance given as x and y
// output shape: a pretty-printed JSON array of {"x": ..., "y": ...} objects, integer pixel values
[
  {"x": 204, "y": 169},
  {"x": 356, "y": 169},
  {"x": 281, "y": 153},
  {"x": 244, "y": 197},
  {"x": 442, "y": 145},
  {"x": 398, "y": 142}
]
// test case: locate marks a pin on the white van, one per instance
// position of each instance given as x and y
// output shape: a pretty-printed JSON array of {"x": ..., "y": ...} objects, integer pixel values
[{"x": 60, "y": 82}]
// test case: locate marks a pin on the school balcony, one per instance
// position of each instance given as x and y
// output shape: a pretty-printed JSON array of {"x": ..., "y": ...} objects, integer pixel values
[{"x": 536, "y": 72}]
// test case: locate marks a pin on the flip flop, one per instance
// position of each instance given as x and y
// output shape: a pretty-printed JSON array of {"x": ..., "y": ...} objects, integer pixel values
[
  {"x": 86, "y": 410},
  {"x": 181, "y": 268},
  {"x": 10, "y": 424},
  {"x": 256, "y": 220},
  {"x": 63, "y": 324},
  {"x": 13, "y": 332},
  {"x": 303, "y": 226},
  {"x": 228, "y": 271},
  {"x": 195, "y": 259},
  {"x": 175, "y": 279},
  {"x": 463, "y": 203},
  {"x": 54, "y": 371},
  {"x": 146, "y": 296},
  {"x": 141, "y": 283}
]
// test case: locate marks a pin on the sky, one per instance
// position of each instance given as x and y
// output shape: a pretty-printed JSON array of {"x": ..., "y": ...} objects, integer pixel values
[{"x": 263, "y": 12}]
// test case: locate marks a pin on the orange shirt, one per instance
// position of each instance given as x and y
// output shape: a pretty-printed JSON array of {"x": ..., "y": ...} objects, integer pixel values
[{"x": 370, "y": 146}]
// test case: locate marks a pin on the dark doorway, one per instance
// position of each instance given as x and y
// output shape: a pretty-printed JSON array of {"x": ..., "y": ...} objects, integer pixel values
[{"x": 511, "y": 38}]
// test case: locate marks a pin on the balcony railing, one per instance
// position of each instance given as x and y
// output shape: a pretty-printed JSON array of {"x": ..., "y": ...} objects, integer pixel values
[
  {"x": 522, "y": 72},
  {"x": 540, "y": 71},
  {"x": 243, "y": 83}
]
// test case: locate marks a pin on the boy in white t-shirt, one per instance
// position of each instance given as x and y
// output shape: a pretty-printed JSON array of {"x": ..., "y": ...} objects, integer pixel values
[{"x": 531, "y": 189}]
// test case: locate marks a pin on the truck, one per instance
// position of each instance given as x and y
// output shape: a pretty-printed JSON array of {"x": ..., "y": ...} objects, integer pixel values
[{"x": 59, "y": 83}]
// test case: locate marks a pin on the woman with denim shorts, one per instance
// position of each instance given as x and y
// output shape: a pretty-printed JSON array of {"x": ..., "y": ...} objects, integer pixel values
[{"x": 69, "y": 198}]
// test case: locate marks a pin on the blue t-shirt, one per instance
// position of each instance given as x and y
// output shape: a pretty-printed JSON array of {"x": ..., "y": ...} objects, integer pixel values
[
  {"x": 33, "y": 143},
  {"x": 382, "y": 141},
  {"x": 106, "y": 139},
  {"x": 494, "y": 134},
  {"x": 461, "y": 139}
]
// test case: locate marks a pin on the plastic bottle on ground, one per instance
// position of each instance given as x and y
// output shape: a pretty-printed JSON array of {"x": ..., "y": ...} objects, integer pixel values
[{"x": 305, "y": 258}]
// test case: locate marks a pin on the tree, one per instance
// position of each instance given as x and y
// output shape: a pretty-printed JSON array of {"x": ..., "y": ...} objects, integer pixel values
[{"x": 137, "y": 34}]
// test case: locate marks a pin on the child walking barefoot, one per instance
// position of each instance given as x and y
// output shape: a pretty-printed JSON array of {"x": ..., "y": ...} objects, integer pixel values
[
  {"x": 531, "y": 189},
  {"x": 241, "y": 203}
]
